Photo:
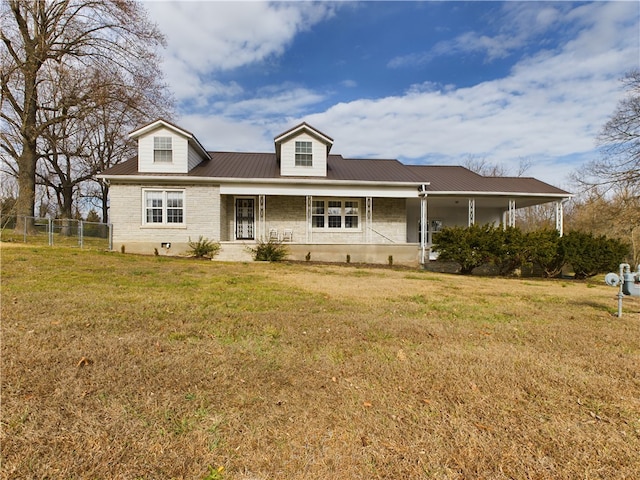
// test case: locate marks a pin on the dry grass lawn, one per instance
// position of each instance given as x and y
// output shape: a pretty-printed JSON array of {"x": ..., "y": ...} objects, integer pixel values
[{"x": 125, "y": 367}]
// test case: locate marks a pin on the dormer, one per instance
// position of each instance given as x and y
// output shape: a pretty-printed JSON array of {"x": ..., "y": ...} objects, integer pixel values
[
  {"x": 165, "y": 148},
  {"x": 302, "y": 152}
]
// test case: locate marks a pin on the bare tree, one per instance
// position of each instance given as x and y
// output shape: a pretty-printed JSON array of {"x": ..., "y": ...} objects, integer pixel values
[
  {"x": 610, "y": 200},
  {"x": 615, "y": 215},
  {"x": 484, "y": 167},
  {"x": 108, "y": 35},
  {"x": 96, "y": 136},
  {"x": 118, "y": 111},
  {"x": 8, "y": 194},
  {"x": 618, "y": 167},
  {"x": 61, "y": 145}
]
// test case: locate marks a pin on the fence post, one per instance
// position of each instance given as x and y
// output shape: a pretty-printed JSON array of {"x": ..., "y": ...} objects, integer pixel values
[
  {"x": 50, "y": 230},
  {"x": 81, "y": 233},
  {"x": 110, "y": 236}
]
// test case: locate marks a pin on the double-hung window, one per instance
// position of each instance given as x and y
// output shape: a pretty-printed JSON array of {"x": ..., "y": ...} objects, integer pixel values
[
  {"x": 162, "y": 151},
  {"x": 304, "y": 154},
  {"x": 351, "y": 214},
  {"x": 334, "y": 214},
  {"x": 164, "y": 207}
]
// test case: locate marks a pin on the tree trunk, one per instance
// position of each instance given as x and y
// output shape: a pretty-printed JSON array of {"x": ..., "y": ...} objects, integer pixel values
[
  {"x": 104, "y": 188},
  {"x": 25, "y": 209},
  {"x": 67, "y": 210},
  {"x": 29, "y": 156}
]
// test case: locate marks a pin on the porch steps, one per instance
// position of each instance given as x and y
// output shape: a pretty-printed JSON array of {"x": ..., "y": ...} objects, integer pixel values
[{"x": 234, "y": 252}]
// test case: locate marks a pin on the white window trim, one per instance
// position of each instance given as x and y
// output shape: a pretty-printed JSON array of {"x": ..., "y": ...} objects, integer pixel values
[
  {"x": 296, "y": 153},
  {"x": 164, "y": 223},
  {"x": 326, "y": 215},
  {"x": 156, "y": 149}
]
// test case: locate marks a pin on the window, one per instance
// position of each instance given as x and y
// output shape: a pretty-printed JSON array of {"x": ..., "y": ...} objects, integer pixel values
[
  {"x": 304, "y": 154},
  {"x": 162, "y": 152},
  {"x": 164, "y": 207},
  {"x": 343, "y": 214},
  {"x": 317, "y": 214},
  {"x": 351, "y": 214}
]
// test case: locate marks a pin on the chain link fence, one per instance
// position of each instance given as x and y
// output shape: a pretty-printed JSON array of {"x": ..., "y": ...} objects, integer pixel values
[{"x": 56, "y": 231}]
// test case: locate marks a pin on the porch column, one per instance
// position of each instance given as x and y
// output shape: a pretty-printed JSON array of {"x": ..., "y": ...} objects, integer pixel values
[
  {"x": 559, "y": 217},
  {"x": 511, "y": 216},
  {"x": 262, "y": 218},
  {"x": 309, "y": 209},
  {"x": 368, "y": 219},
  {"x": 472, "y": 211},
  {"x": 424, "y": 222}
]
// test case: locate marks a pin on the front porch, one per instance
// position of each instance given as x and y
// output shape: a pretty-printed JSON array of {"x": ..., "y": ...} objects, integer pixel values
[
  {"x": 366, "y": 228},
  {"x": 321, "y": 220}
]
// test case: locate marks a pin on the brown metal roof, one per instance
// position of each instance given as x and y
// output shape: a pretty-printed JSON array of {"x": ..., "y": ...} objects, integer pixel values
[
  {"x": 129, "y": 167},
  {"x": 265, "y": 166},
  {"x": 441, "y": 178},
  {"x": 339, "y": 168},
  {"x": 238, "y": 165},
  {"x": 460, "y": 179}
]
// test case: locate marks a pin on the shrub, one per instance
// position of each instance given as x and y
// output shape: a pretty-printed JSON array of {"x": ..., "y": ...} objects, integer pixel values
[
  {"x": 467, "y": 246},
  {"x": 507, "y": 248},
  {"x": 543, "y": 249},
  {"x": 589, "y": 255},
  {"x": 270, "y": 251},
  {"x": 203, "y": 248}
]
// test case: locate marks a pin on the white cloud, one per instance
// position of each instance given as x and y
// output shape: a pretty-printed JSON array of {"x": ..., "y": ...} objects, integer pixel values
[
  {"x": 518, "y": 23},
  {"x": 284, "y": 100},
  {"x": 220, "y": 133},
  {"x": 547, "y": 110},
  {"x": 551, "y": 106},
  {"x": 205, "y": 38}
]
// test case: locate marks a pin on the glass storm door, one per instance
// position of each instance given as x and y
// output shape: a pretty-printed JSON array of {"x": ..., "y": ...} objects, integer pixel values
[{"x": 244, "y": 218}]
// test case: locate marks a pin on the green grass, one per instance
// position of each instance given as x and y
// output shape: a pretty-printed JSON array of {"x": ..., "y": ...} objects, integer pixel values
[{"x": 123, "y": 366}]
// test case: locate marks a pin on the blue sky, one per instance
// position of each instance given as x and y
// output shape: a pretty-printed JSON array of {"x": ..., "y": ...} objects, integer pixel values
[{"x": 423, "y": 82}]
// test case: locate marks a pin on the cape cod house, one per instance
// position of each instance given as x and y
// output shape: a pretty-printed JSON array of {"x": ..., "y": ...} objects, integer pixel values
[{"x": 319, "y": 203}]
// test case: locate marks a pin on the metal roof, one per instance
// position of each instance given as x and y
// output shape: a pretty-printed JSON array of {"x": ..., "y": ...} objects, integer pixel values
[
  {"x": 440, "y": 179},
  {"x": 443, "y": 178}
]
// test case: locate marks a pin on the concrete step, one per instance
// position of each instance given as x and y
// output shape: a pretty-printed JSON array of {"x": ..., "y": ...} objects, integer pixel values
[{"x": 234, "y": 252}]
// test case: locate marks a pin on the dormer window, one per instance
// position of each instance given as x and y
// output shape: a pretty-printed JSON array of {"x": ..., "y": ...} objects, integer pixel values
[
  {"x": 304, "y": 154},
  {"x": 162, "y": 151}
]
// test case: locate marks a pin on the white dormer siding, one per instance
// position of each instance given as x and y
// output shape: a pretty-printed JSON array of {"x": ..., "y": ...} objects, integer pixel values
[
  {"x": 165, "y": 148},
  {"x": 180, "y": 154},
  {"x": 194, "y": 157},
  {"x": 288, "y": 165}
]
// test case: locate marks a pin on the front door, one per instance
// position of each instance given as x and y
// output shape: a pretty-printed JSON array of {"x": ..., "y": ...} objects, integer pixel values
[{"x": 245, "y": 218}]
